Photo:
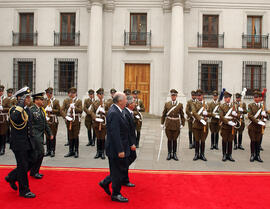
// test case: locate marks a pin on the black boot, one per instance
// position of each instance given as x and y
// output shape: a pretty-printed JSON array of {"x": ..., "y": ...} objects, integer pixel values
[
  {"x": 261, "y": 149},
  {"x": 257, "y": 150},
  {"x": 229, "y": 157},
  {"x": 193, "y": 144},
  {"x": 89, "y": 137},
  {"x": 138, "y": 139},
  {"x": 93, "y": 138},
  {"x": 216, "y": 140},
  {"x": 202, "y": 151},
  {"x": 212, "y": 141},
  {"x": 197, "y": 156},
  {"x": 98, "y": 149},
  {"x": 76, "y": 143},
  {"x": 235, "y": 142},
  {"x": 71, "y": 149},
  {"x": 190, "y": 140},
  {"x": 175, "y": 150},
  {"x": 252, "y": 150},
  {"x": 103, "y": 149},
  {"x": 240, "y": 137},
  {"x": 169, "y": 157},
  {"x": 224, "y": 151}
]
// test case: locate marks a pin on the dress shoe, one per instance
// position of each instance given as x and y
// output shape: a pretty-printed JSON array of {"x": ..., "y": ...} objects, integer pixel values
[
  {"x": 230, "y": 158},
  {"x": 97, "y": 155},
  {"x": 52, "y": 153},
  {"x": 224, "y": 158},
  {"x": 103, "y": 156},
  {"x": 88, "y": 144},
  {"x": 235, "y": 147},
  {"x": 37, "y": 176},
  {"x": 196, "y": 157},
  {"x": 11, "y": 183},
  {"x": 69, "y": 154},
  {"x": 252, "y": 158},
  {"x": 258, "y": 158},
  {"x": 105, "y": 187},
  {"x": 169, "y": 157},
  {"x": 175, "y": 157},
  {"x": 47, "y": 154},
  {"x": 212, "y": 147},
  {"x": 203, "y": 157},
  {"x": 76, "y": 155},
  {"x": 119, "y": 198},
  {"x": 216, "y": 147},
  {"x": 129, "y": 184},
  {"x": 28, "y": 195},
  {"x": 241, "y": 147}
]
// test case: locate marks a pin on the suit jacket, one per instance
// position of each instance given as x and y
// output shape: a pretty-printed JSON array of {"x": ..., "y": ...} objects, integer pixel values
[
  {"x": 117, "y": 133},
  {"x": 132, "y": 127}
]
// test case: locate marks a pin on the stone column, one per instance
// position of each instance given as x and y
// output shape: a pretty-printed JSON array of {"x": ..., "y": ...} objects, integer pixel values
[
  {"x": 95, "y": 45},
  {"x": 177, "y": 47}
]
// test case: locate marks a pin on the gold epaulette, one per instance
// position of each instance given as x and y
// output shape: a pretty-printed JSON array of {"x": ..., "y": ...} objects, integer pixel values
[{"x": 24, "y": 116}]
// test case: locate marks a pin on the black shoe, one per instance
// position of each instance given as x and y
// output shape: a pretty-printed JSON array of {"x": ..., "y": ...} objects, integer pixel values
[
  {"x": 230, "y": 158},
  {"x": 11, "y": 183},
  {"x": 69, "y": 154},
  {"x": 235, "y": 147},
  {"x": 76, "y": 155},
  {"x": 203, "y": 157},
  {"x": 196, "y": 157},
  {"x": 169, "y": 157},
  {"x": 88, "y": 144},
  {"x": 103, "y": 156},
  {"x": 216, "y": 147},
  {"x": 105, "y": 187},
  {"x": 129, "y": 184},
  {"x": 28, "y": 195},
  {"x": 119, "y": 198},
  {"x": 224, "y": 158},
  {"x": 67, "y": 144},
  {"x": 47, "y": 154},
  {"x": 240, "y": 147},
  {"x": 52, "y": 153},
  {"x": 37, "y": 176},
  {"x": 175, "y": 157},
  {"x": 258, "y": 158},
  {"x": 212, "y": 147},
  {"x": 97, "y": 155},
  {"x": 252, "y": 158}
]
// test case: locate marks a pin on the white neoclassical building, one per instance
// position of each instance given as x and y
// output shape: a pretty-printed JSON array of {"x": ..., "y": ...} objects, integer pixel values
[{"x": 150, "y": 45}]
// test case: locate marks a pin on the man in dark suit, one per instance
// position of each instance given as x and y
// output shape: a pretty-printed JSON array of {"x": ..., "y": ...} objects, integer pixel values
[
  {"x": 117, "y": 147},
  {"x": 20, "y": 143},
  {"x": 128, "y": 111}
]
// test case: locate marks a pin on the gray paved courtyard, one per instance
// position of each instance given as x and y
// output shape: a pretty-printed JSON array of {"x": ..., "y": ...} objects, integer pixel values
[{"x": 148, "y": 151}]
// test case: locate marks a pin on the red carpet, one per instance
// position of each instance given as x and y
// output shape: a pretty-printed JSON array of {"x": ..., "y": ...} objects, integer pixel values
[{"x": 74, "y": 188}]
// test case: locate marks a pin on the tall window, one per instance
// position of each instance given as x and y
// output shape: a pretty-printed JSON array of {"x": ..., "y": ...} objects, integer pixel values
[
  {"x": 24, "y": 73},
  {"x": 210, "y": 30},
  {"x": 254, "y": 76},
  {"x": 26, "y": 29},
  {"x": 138, "y": 29},
  {"x": 67, "y": 28},
  {"x": 65, "y": 75},
  {"x": 210, "y": 76},
  {"x": 254, "y": 31}
]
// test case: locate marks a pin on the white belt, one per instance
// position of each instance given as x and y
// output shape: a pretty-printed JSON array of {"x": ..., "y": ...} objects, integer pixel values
[{"x": 170, "y": 118}]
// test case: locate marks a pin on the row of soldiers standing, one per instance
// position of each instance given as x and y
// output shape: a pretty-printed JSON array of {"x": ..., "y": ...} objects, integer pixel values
[{"x": 228, "y": 118}]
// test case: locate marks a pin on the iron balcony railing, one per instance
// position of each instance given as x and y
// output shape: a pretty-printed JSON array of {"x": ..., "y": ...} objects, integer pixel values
[
  {"x": 211, "y": 40},
  {"x": 255, "y": 41},
  {"x": 67, "y": 39},
  {"x": 137, "y": 38},
  {"x": 24, "y": 39}
]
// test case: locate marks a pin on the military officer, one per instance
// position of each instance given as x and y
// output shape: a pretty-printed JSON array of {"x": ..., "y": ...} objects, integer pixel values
[
  {"x": 229, "y": 117},
  {"x": 138, "y": 117},
  {"x": 200, "y": 125},
  {"x": 88, "y": 119},
  {"x": 261, "y": 97},
  {"x": 257, "y": 116},
  {"x": 99, "y": 123},
  {"x": 4, "y": 108},
  {"x": 242, "y": 109},
  {"x": 20, "y": 143},
  {"x": 127, "y": 92},
  {"x": 52, "y": 109},
  {"x": 109, "y": 101},
  {"x": 39, "y": 128},
  {"x": 213, "y": 109},
  {"x": 190, "y": 119},
  {"x": 172, "y": 120},
  {"x": 71, "y": 111}
]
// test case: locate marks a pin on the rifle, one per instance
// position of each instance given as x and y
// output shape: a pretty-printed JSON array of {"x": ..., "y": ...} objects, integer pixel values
[
  {"x": 263, "y": 107},
  {"x": 205, "y": 119},
  {"x": 233, "y": 129}
]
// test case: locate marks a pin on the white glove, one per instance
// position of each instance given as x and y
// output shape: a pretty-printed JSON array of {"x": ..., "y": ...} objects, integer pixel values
[
  {"x": 48, "y": 109},
  {"x": 138, "y": 107},
  {"x": 231, "y": 123},
  {"x": 1, "y": 107},
  {"x": 181, "y": 126},
  {"x": 205, "y": 113},
  {"x": 69, "y": 118},
  {"x": 100, "y": 120},
  {"x": 72, "y": 106},
  {"x": 137, "y": 116},
  {"x": 101, "y": 110},
  {"x": 234, "y": 113},
  {"x": 203, "y": 122},
  {"x": 261, "y": 123},
  {"x": 263, "y": 113},
  {"x": 217, "y": 116},
  {"x": 47, "y": 118},
  {"x": 228, "y": 117},
  {"x": 162, "y": 126},
  {"x": 240, "y": 109},
  {"x": 264, "y": 119}
]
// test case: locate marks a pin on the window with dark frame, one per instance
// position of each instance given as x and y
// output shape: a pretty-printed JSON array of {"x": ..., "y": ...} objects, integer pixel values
[
  {"x": 254, "y": 31},
  {"x": 67, "y": 29},
  {"x": 254, "y": 76},
  {"x": 138, "y": 29},
  {"x": 210, "y": 31},
  {"x": 26, "y": 34},
  {"x": 210, "y": 76}
]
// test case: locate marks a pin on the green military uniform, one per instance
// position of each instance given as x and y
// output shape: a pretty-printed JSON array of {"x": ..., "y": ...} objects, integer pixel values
[
  {"x": 213, "y": 109},
  {"x": 242, "y": 109},
  {"x": 88, "y": 118},
  {"x": 200, "y": 126},
  {"x": 173, "y": 120},
  {"x": 138, "y": 117},
  {"x": 190, "y": 120},
  {"x": 52, "y": 108},
  {"x": 98, "y": 115},
  {"x": 39, "y": 128},
  {"x": 71, "y": 111},
  {"x": 257, "y": 116},
  {"x": 4, "y": 108}
]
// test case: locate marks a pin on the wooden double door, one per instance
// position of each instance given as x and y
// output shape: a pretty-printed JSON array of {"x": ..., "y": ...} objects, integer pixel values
[{"x": 137, "y": 76}]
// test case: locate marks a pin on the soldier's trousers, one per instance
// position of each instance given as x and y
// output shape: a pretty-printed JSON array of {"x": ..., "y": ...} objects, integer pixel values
[
  {"x": 2, "y": 143},
  {"x": 200, "y": 134},
  {"x": 227, "y": 135},
  {"x": 50, "y": 144},
  {"x": 255, "y": 135},
  {"x": 24, "y": 164},
  {"x": 37, "y": 163},
  {"x": 91, "y": 137}
]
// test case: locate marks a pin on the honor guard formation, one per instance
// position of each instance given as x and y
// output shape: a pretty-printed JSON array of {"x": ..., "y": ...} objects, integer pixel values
[{"x": 25, "y": 119}]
